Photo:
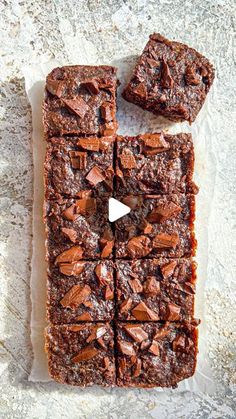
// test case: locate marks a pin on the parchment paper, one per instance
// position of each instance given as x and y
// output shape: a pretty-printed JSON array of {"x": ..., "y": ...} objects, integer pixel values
[{"x": 132, "y": 120}]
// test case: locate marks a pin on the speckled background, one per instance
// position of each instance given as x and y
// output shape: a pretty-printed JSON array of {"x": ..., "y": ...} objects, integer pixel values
[{"x": 33, "y": 32}]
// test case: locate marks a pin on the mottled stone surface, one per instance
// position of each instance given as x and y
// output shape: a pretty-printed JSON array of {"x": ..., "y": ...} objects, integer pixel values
[{"x": 111, "y": 32}]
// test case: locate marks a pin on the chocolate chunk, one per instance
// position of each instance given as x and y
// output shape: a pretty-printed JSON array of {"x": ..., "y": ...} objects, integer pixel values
[
  {"x": 76, "y": 296},
  {"x": 85, "y": 354},
  {"x": 166, "y": 80},
  {"x": 77, "y": 105},
  {"x": 97, "y": 332},
  {"x": 138, "y": 368},
  {"x": 155, "y": 141},
  {"x": 191, "y": 77},
  {"x": 86, "y": 206},
  {"x": 179, "y": 343},
  {"x": 78, "y": 160},
  {"x": 142, "y": 312},
  {"x": 173, "y": 312},
  {"x": 136, "y": 332},
  {"x": 135, "y": 285},
  {"x": 163, "y": 240},
  {"x": 168, "y": 269},
  {"x": 107, "y": 249},
  {"x": 92, "y": 86},
  {"x": 147, "y": 228},
  {"x": 141, "y": 90},
  {"x": 126, "y": 348},
  {"x": 85, "y": 317},
  {"x": 70, "y": 233},
  {"x": 127, "y": 159},
  {"x": 151, "y": 286},
  {"x": 72, "y": 269},
  {"x": 73, "y": 254},
  {"x": 109, "y": 294},
  {"x": 90, "y": 144},
  {"x": 133, "y": 201},
  {"x": 55, "y": 87},
  {"x": 139, "y": 246},
  {"x": 164, "y": 212},
  {"x": 107, "y": 112},
  {"x": 70, "y": 213},
  {"x": 126, "y": 305},
  {"x": 154, "y": 348},
  {"x": 95, "y": 176},
  {"x": 103, "y": 274}
]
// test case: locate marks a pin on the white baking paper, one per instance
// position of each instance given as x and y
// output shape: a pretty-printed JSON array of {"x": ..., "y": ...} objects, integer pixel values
[{"x": 132, "y": 120}]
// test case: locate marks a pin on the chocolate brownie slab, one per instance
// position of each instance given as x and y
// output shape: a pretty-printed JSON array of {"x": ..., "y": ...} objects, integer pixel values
[
  {"x": 82, "y": 354},
  {"x": 155, "y": 354},
  {"x": 76, "y": 164},
  {"x": 155, "y": 163},
  {"x": 80, "y": 291},
  {"x": 78, "y": 229},
  {"x": 80, "y": 100},
  {"x": 155, "y": 289},
  {"x": 170, "y": 79},
  {"x": 158, "y": 225}
]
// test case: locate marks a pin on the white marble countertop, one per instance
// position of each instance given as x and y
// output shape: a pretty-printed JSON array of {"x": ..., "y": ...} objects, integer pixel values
[{"x": 34, "y": 32}]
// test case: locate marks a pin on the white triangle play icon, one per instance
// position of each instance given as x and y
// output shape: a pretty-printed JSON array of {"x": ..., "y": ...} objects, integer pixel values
[{"x": 117, "y": 209}]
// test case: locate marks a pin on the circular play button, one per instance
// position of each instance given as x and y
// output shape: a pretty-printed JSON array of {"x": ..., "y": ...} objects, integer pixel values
[{"x": 117, "y": 209}]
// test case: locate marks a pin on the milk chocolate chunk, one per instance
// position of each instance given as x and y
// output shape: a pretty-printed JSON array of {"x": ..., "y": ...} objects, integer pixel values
[
  {"x": 156, "y": 163},
  {"x": 171, "y": 235},
  {"x": 83, "y": 220},
  {"x": 74, "y": 96},
  {"x": 75, "y": 164},
  {"x": 156, "y": 363},
  {"x": 80, "y": 293},
  {"x": 75, "y": 358},
  {"x": 175, "y": 80},
  {"x": 158, "y": 297}
]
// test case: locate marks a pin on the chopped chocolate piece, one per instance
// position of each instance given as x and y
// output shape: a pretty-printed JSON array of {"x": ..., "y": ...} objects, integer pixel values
[
  {"x": 78, "y": 164},
  {"x": 174, "y": 84},
  {"x": 163, "y": 297},
  {"x": 76, "y": 359},
  {"x": 155, "y": 164},
  {"x": 172, "y": 236},
  {"x": 88, "y": 218},
  {"x": 75, "y": 95},
  {"x": 156, "y": 363},
  {"x": 74, "y": 294}
]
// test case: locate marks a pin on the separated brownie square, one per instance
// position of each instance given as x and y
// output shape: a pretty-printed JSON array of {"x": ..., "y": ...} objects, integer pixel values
[
  {"x": 77, "y": 229},
  {"x": 80, "y": 291},
  {"x": 81, "y": 355},
  {"x": 155, "y": 354},
  {"x": 155, "y": 289},
  {"x": 74, "y": 165},
  {"x": 155, "y": 163},
  {"x": 80, "y": 100},
  {"x": 158, "y": 225},
  {"x": 170, "y": 79}
]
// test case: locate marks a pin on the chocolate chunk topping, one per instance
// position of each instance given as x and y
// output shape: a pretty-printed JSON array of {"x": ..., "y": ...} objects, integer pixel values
[
  {"x": 166, "y": 80},
  {"x": 72, "y": 269},
  {"x": 97, "y": 332},
  {"x": 107, "y": 112},
  {"x": 168, "y": 269},
  {"x": 126, "y": 348},
  {"x": 71, "y": 213},
  {"x": 173, "y": 312},
  {"x": 55, "y": 87},
  {"x": 135, "y": 285},
  {"x": 139, "y": 246},
  {"x": 95, "y": 176},
  {"x": 191, "y": 77},
  {"x": 86, "y": 206},
  {"x": 76, "y": 296},
  {"x": 127, "y": 159},
  {"x": 85, "y": 354},
  {"x": 92, "y": 86},
  {"x": 71, "y": 255},
  {"x": 138, "y": 368},
  {"x": 84, "y": 317},
  {"x": 154, "y": 348},
  {"x": 90, "y": 144},
  {"x": 104, "y": 276},
  {"x": 179, "y": 343},
  {"x": 142, "y": 312},
  {"x": 77, "y": 105},
  {"x": 164, "y": 212},
  {"x": 109, "y": 294},
  {"x": 155, "y": 141},
  {"x": 136, "y": 332},
  {"x": 141, "y": 90},
  {"x": 151, "y": 286},
  {"x": 133, "y": 201},
  {"x": 78, "y": 159},
  {"x": 70, "y": 233},
  {"x": 165, "y": 241},
  {"x": 126, "y": 305}
]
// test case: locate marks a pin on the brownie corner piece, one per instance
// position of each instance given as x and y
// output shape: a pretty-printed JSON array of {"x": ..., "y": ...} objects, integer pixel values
[
  {"x": 170, "y": 79},
  {"x": 80, "y": 100},
  {"x": 75, "y": 164},
  {"x": 81, "y": 354},
  {"x": 155, "y": 289},
  {"x": 80, "y": 291},
  {"x": 155, "y": 354},
  {"x": 155, "y": 163}
]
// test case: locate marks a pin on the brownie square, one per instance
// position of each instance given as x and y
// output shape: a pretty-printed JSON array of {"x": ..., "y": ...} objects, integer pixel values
[
  {"x": 74, "y": 165},
  {"x": 158, "y": 225},
  {"x": 77, "y": 229},
  {"x": 155, "y": 163},
  {"x": 155, "y": 354},
  {"x": 80, "y": 291},
  {"x": 170, "y": 79},
  {"x": 81, "y": 355},
  {"x": 155, "y": 289},
  {"x": 80, "y": 100}
]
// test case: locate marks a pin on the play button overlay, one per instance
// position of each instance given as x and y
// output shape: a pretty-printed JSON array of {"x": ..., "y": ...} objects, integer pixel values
[{"x": 116, "y": 209}]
